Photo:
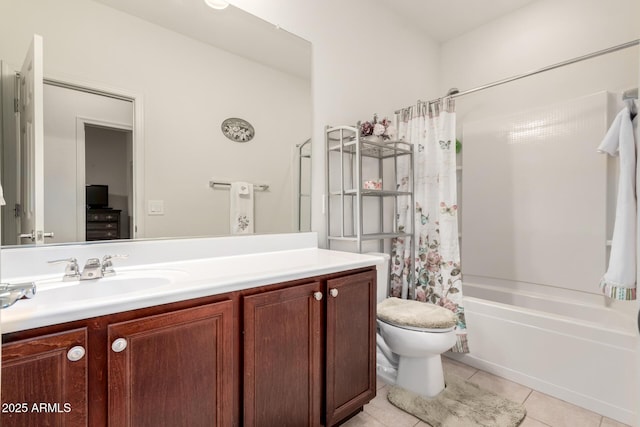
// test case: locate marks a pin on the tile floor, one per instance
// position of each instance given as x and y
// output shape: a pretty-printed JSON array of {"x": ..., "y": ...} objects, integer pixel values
[{"x": 542, "y": 410}]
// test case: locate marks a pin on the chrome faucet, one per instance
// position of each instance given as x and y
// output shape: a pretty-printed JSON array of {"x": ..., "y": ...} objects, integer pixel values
[
  {"x": 107, "y": 264},
  {"x": 93, "y": 268},
  {"x": 71, "y": 271},
  {"x": 9, "y": 293}
]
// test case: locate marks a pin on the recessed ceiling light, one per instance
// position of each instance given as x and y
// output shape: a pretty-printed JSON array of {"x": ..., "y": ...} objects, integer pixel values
[{"x": 217, "y": 4}]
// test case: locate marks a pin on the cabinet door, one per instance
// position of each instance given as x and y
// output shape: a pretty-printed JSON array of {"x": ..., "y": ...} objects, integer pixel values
[
  {"x": 42, "y": 382},
  {"x": 351, "y": 344},
  {"x": 282, "y": 348},
  {"x": 173, "y": 369}
]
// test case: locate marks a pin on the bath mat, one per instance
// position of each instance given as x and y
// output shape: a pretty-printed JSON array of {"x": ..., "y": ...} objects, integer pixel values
[{"x": 461, "y": 404}]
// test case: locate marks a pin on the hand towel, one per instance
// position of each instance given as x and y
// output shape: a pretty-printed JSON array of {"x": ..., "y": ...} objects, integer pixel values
[
  {"x": 619, "y": 282},
  {"x": 241, "y": 208}
]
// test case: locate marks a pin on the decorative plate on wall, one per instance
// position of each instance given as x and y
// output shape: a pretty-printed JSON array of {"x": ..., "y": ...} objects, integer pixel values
[{"x": 238, "y": 130}]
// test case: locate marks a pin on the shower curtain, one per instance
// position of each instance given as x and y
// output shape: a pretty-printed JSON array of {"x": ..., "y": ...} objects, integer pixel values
[{"x": 436, "y": 276}]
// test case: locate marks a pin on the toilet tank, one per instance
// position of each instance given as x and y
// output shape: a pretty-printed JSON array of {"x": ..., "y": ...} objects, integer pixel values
[{"x": 382, "y": 274}]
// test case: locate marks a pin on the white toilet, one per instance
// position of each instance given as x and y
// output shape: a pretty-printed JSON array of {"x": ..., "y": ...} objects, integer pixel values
[{"x": 412, "y": 335}]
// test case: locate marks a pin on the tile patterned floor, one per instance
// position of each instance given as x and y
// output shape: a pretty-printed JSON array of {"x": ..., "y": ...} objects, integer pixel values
[{"x": 542, "y": 410}]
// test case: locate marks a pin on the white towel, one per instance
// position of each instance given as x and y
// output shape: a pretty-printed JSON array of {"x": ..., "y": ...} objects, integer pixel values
[
  {"x": 619, "y": 282},
  {"x": 241, "y": 208},
  {"x": 2, "y": 202},
  {"x": 243, "y": 188}
]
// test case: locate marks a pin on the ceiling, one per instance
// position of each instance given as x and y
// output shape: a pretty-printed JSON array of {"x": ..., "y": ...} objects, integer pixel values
[
  {"x": 447, "y": 19},
  {"x": 231, "y": 29},
  {"x": 236, "y": 31}
]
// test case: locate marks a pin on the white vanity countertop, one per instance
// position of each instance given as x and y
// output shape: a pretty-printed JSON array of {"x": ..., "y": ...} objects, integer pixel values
[{"x": 58, "y": 302}]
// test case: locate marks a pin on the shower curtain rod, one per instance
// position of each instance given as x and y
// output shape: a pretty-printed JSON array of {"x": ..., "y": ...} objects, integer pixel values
[{"x": 616, "y": 48}]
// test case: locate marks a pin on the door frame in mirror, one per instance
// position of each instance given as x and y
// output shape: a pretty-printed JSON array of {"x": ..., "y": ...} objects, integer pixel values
[
  {"x": 81, "y": 171},
  {"x": 9, "y": 142},
  {"x": 138, "y": 222}
]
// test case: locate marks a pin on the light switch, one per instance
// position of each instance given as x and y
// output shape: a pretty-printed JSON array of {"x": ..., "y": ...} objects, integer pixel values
[{"x": 156, "y": 207}]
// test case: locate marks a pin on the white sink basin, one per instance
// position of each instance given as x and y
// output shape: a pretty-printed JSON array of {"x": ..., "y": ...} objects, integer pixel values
[{"x": 124, "y": 283}]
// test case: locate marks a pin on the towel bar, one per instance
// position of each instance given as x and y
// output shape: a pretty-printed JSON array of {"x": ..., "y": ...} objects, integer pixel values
[{"x": 257, "y": 187}]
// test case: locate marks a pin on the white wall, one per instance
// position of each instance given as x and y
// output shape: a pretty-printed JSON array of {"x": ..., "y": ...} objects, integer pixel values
[
  {"x": 106, "y": 159},
  {"x": 542, "y": 33},
  {"x": 188, "y": 89},
  {"x": 365, "y": 60}
]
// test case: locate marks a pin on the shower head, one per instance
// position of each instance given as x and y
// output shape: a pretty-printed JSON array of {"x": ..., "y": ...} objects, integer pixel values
[{"x": 453, "y": 91}]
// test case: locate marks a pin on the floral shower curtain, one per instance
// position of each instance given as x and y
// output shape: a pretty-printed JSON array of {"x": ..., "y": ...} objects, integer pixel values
[{"x": 436, "y": 276}]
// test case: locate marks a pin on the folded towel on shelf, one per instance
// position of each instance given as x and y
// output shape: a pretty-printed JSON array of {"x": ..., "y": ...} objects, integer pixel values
[
  {"x": 241, "y": 208},
  {"x": 619, "y": 282}
]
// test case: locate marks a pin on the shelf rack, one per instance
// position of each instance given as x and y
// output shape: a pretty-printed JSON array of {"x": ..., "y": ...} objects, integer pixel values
[{"x": 346, "y": 215}]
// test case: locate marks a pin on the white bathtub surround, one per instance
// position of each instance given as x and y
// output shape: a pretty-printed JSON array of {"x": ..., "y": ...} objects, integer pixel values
[
  {"x": 437, "y": 276},
  {"x": 535, "y": 314},
  {"x": 619, "y": 282},
  {"x": 192, "y": 268},
  {"x": 241, "y": 208},
  {"x": 530, "y": 216}
]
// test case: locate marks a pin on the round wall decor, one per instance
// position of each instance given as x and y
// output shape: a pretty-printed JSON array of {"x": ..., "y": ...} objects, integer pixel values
[{"x": 238, "y": 130}]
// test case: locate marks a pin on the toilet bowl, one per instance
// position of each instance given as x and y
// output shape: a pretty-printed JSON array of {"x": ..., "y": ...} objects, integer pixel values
[{"x": 411, "y": 337}]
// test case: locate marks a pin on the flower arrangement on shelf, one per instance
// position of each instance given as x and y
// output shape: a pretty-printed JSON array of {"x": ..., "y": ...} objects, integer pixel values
[{"x": 382, "y": 128}]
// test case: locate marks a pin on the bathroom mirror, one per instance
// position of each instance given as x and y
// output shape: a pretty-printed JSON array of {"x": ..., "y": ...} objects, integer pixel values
[{"x": 183, "y": 68}]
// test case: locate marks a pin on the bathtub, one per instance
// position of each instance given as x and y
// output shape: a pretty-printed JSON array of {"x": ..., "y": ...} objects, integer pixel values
[{"x": 567, "y": 344}]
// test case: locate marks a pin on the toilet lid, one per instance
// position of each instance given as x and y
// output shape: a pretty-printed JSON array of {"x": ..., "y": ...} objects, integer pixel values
[{"x": 415, "y": 314}]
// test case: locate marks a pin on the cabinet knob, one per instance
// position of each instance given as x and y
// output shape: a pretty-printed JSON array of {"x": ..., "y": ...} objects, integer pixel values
[
  {"x": 119, "y": 345},
  {"x": 76, "y": 353},
  {"x": 333, "y": 292},
  {"x": 317, "y": 295}
]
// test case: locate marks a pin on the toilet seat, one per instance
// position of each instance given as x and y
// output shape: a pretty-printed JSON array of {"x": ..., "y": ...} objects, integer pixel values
[
  {"x": 417, "y": 329},
  {"x": 416, "y": 315}
]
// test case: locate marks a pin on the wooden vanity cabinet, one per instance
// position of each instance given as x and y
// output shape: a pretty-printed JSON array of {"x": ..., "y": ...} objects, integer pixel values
[
  {"x": 172, "y": 369},
  {"x": 300, "y": 353},
  {"x": 171, "y": 365},
  {"x": 282, "y": 349},
  {"x": 350, "y": 356},
  {"x": 45, "y": 381},
  {"x": 309, "y": 352}
]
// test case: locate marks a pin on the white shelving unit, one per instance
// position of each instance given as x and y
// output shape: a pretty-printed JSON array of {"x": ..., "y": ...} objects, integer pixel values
[{"x": 356, "y": 214}]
